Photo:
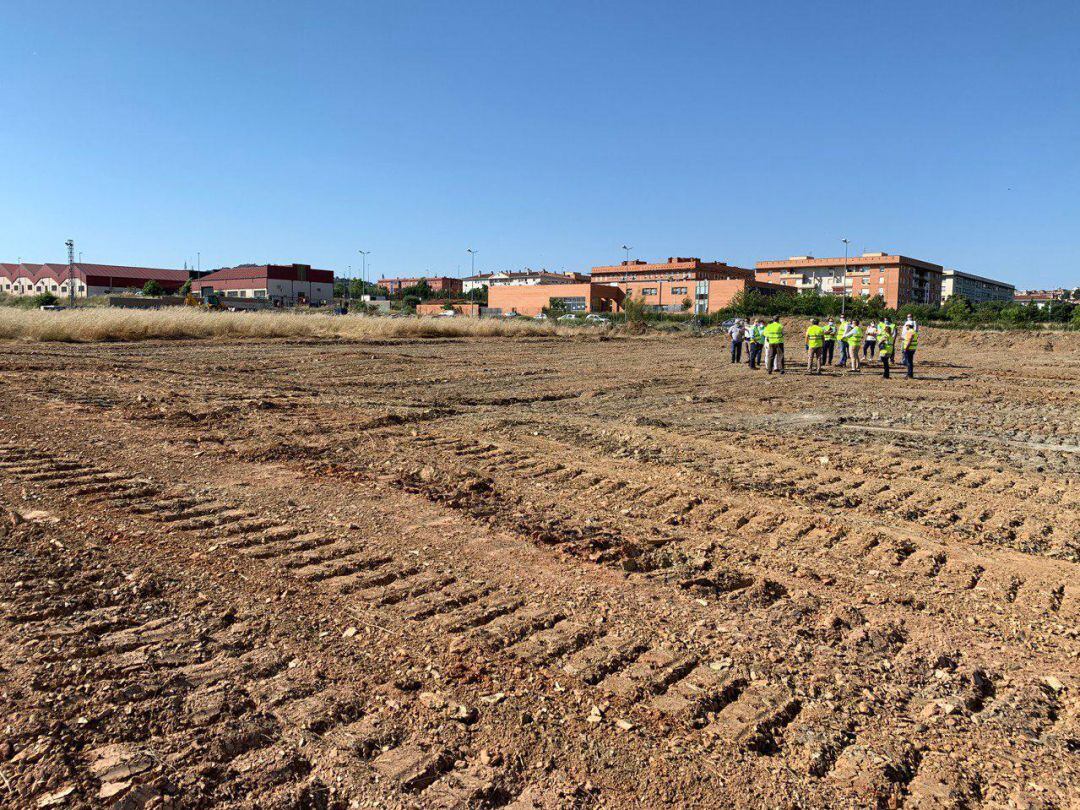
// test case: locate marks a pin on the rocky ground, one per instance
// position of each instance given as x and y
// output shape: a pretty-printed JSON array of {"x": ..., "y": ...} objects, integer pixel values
[{"x": 538, "y": 573}]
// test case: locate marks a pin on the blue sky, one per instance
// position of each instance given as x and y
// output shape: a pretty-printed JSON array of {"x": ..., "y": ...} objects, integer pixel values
[{"x": 542, "y": 134}]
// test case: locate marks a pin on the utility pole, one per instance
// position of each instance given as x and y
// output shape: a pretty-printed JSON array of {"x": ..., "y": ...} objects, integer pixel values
[
  {"x": 843, "y": 281},
  {"x": 71, "y": 271}
]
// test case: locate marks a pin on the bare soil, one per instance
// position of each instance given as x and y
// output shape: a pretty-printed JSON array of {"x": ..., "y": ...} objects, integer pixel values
[{"x": 538, "y": 573}]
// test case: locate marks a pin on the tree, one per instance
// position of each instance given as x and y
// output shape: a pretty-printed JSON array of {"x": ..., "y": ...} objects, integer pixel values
[
  {"x": 556, "y": 307},
  {"x": 153, "y": 288},
  {"x": 686, "y": 304},
  {"x": 45, "y": 299},
  {"x": 185, "y": 288},
  {"x": 958, "y": 309},
  {"x": 634, "y": 309}
]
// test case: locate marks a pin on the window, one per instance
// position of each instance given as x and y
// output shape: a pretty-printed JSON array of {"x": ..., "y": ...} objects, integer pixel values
[
  {"x": 573, "y": 304},
  {"x": 260, "y": 293},
  {"x": 678, "y": 290},
  {"x": 648, "y": 291}
]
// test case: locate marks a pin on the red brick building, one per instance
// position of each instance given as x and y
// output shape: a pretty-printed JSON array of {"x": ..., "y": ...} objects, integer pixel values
[
  {"x": 579, "y": 299},
  {"x": 438, "y": 284},
  {"x": 897, "y": 279},
  {"x": 682, "y": 284},
  {"x": 280, "y": 284}
]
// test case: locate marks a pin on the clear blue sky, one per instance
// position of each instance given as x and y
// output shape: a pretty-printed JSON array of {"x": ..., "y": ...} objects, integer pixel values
[{"x": 542, "y": 134}]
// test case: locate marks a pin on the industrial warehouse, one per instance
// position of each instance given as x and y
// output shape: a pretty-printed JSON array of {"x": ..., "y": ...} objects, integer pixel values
[{"x": 85, "y": 280}]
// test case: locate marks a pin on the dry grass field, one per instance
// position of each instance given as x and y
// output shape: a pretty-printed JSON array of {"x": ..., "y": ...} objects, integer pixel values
[
  {"x": 103, "y": 324},
  {"x": 534, "y": 572}
]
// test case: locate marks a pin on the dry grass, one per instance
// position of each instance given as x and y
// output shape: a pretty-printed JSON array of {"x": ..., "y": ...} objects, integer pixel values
[{"x": 86, "y": 325}]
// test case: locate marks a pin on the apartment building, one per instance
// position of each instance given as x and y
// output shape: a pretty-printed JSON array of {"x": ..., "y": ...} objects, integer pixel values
[
  {"x": 438, "y": 284},
  {"x": 897, "y": 279},
  {"x": 682, "y": 284},
  {"x": 976, "y": 289}
]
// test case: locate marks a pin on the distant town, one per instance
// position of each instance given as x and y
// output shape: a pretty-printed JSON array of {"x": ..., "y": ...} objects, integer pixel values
[{"x": 673, "y": 285}]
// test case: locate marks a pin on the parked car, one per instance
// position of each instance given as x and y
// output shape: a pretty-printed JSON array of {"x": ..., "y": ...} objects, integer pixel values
[
  {"x": 592, "y": 317},
  {"x": 568, "y": 317}
]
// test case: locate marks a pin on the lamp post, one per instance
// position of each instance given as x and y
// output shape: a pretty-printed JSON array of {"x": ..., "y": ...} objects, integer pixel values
[
  {"x": 363, "y": 277},
  {"x": 472, "y": 260},
  {"x": 843, "y": 281},
  {"x": 71, "y": 271}
]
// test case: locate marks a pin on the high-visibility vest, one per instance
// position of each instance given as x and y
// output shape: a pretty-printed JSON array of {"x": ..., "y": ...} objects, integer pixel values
[
  {"x": 774, "y": 333},
  {"x": 885, "y": 344},
  {"x": 911, "y": 340},
  {"x": 830, "y": 331},
  {"x": 815, "y": 337},
  {"x": 855, "y": 336}
]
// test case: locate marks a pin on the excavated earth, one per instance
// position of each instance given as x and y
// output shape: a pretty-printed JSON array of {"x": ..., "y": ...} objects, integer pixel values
[{"x": 538, "y": 573}]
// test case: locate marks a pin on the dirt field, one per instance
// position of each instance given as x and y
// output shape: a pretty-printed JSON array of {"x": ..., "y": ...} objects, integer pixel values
[{"x": 538, "y": 573}]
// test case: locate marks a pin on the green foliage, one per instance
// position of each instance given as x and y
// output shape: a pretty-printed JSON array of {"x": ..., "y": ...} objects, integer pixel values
[
  {"x": 556, "y": 307},
  {"x": 152, "y": 288},
  {"x": 479, "y": 295},
  {"x": 185, "y": 288},
  {"x": 421, "y": 291},
  {"x": 634, "y": 309},
  {"x": 45, "y": 299},
  {"x": 957, "y": 311}
]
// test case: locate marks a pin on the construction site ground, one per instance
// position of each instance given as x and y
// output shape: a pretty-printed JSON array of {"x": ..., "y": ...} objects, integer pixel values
[{"x": 538, "y": 573}]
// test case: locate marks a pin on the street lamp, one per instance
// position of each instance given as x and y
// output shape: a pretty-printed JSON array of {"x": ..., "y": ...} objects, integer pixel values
[
  {"x": 843, "y": 281},
  {"x": 363, "y": 275},
  {"x": 472, "y": 260}
]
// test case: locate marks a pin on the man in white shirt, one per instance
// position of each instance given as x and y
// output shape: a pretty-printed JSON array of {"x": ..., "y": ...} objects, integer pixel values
[{"x": 738, "y": 333}]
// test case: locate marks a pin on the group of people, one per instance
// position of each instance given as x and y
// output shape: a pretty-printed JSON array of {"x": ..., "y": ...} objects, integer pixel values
[{"x": 857, "y": 343}]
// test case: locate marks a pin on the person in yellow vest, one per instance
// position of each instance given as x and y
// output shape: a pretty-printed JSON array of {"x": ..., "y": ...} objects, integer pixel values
[
  {"x": 885, "y": 350},
  {"x": 757, "y": 342},
  {"x": 854, "y": 342},
  {"x": 829, "y": 343},
  {"x": 883, "y": 328},
  {"x": 774, "y": 346},
  {"x": 815, "y": 341},
  {"x": 911, "y": 342},
  {"x": 841, "y": 335}
]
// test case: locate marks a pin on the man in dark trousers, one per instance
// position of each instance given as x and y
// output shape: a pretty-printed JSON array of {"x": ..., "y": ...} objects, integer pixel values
[{"x": 911, "y": 342}]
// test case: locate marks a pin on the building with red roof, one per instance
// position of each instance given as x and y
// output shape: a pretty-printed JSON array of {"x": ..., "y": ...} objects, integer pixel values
[
  {"x": 281, "y": 284},
  {"x": 87, "y": 279}
]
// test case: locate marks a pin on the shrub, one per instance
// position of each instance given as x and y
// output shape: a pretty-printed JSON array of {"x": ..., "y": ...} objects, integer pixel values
[{"x": 153, "y": 288}]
